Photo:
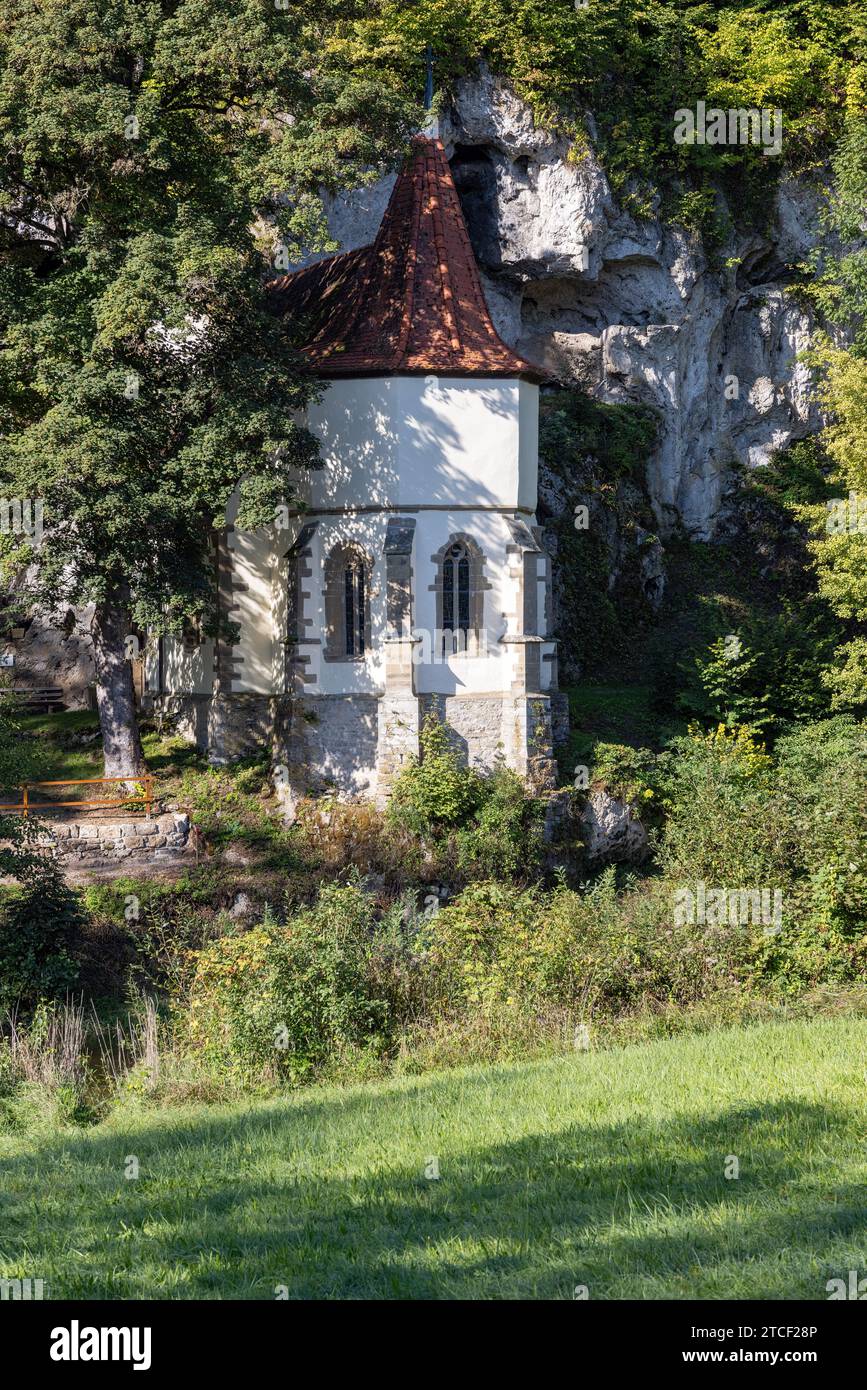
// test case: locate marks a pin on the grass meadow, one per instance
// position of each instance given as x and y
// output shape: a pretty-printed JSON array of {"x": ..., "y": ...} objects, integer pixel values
[{"x": 602, "y": 1171}]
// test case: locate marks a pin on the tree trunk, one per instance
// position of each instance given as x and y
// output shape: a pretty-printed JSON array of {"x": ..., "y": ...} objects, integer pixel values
[{"x": 115, "y": 699}]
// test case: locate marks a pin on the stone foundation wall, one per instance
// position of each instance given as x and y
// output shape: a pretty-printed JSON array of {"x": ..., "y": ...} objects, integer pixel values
[
  {"x": 241, "y": 725},
  {"x": 188, "y": 714},
  {"x": 227, "y": 727},
  {"x": 96, "y": 844},
  {"x": 489, "y": 728},
  {"x": 331, "y": 744},
  {"x": 353, "y": 745},
  {"x": 475, "y": 725}
]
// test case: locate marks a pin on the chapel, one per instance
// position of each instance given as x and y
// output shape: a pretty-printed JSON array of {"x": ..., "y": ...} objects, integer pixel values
[{"x": 411, "y": 577}]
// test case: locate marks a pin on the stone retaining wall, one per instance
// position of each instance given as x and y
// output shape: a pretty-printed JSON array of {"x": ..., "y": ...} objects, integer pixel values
[{"x": 94, "y": 844}]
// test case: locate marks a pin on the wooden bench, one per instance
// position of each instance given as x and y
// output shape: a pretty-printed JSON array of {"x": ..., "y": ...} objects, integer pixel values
[{"x": 34, "y": 698}]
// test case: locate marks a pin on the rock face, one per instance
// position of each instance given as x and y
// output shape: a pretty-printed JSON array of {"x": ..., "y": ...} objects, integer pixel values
[
  {"x": 51, "y": 654},
  {"x": 611, "y": 831},
  {"x": 632, "y": 310},
  {"x": 629, "y": 309}
]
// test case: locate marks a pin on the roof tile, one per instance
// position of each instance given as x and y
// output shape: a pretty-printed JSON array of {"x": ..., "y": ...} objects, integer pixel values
[{"x": 412, "y": 302}]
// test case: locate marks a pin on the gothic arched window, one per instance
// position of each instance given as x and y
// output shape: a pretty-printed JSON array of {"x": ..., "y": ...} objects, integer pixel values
[
  {"x": 354, "y": 607},
  {"x": 347, "y": 603},
  {"x": 456, "y": 591},
  {"x": 460, "y": 590}
]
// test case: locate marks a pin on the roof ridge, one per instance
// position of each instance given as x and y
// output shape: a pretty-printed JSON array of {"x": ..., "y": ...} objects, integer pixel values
[{"x": 449, "y": 299}]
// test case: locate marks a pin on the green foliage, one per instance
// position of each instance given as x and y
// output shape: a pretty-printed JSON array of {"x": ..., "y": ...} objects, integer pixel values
[
  {"x": 699, "y": 211},
  {"x": 599, "y": 451},
  {"x": 633, "y": 63},
  {"x": 846, "y": 679},
  {"x": 838, "y": 526},
  {"x": 436, "y": 792},
  {"x": 488, "y": 826},
  {"x": 39, "y": 916},
  {"x": 617, "y": 437},
  {"x": 732, "y": 684},
  {"x": 486, "y": 948},
  {"x": 38, "y": 926},
  {"x": 767, "y": 676},
  {"x": 630, "y": 774},
  {"x": 156, "y": 156},
  {"x": 840, "y": 289},
  {"x": 795, "y": 476},
  {"x": 592, "y": 954},
  {"x": 504, "y": 838},
  {"x": 797, "y": 823},
  {"x": 285, "y": 999}
]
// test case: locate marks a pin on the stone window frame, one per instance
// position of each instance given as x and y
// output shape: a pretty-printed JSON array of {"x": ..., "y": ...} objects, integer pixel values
[
  {"x": 334, "y": 595},
  {"x": 478, "y": 587}
]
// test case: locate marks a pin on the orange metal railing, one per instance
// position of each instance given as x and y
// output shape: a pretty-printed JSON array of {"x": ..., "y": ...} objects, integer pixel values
[{"x": 25, "y": 806}]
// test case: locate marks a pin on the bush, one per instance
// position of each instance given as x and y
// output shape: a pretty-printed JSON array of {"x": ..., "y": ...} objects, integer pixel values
[
  {"x": 796, "y": 823},
  {"x": 437, "y": 792},
  {"x": 595, "y": 953},
  {"x": 630, "y": 774},
  {"x": 37, "y": 933},
  {"x": 768, "y": 676},
  {"x": 486, "y": 948},
  {"x": 284, "y": 999},
  {"x": 505, "y": 837},
  {"x": 483, "y": 826}
]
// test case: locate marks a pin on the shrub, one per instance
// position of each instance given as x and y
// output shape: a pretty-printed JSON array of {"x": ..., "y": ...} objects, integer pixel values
[
  {"x": 286, "y": 998},
  {"x": 437, "y": 792},
  {"x": 482, "y": 826},
  {"x": 597, "y": 952},
  {"x": 504, "y": 838},
  {"x": 769, "y": 677},
  {"x": 796, "y": 823},
  {"x": 37, "y": 930},
  {"x": 631, "y": 774},
  {"x": 486, "y": 947}
]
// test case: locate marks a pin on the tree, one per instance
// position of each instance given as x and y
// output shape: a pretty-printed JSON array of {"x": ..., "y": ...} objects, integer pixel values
[
  {"x": 839, "y": 543},
  {"x": 159, "y": 157}
]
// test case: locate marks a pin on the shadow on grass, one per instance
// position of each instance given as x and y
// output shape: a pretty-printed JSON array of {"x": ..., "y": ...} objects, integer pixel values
[{"x": 234, "y": 1207}]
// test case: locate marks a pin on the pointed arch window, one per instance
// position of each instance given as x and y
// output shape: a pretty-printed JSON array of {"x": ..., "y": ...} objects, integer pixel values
[
  {"x": 460, "y": 586},
  {"x": 355, "y": 607},
  {"x": 347, "y": 603},
  {"x": 456, "y": 591}
]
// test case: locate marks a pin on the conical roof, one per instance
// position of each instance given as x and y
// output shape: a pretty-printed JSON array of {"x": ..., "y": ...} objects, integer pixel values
[{"x": 412, "y": 302}]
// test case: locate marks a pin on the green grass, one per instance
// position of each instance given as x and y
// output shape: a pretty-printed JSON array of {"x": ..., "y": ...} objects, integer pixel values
[
  {"x": 604, "y": 1170},
  {"x": 62, "y": 758},
  {"x": 612, "y": 713}
]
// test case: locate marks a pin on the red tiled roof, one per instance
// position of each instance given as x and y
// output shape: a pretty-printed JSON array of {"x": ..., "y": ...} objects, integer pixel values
[{"x": 412, "y": 302}]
